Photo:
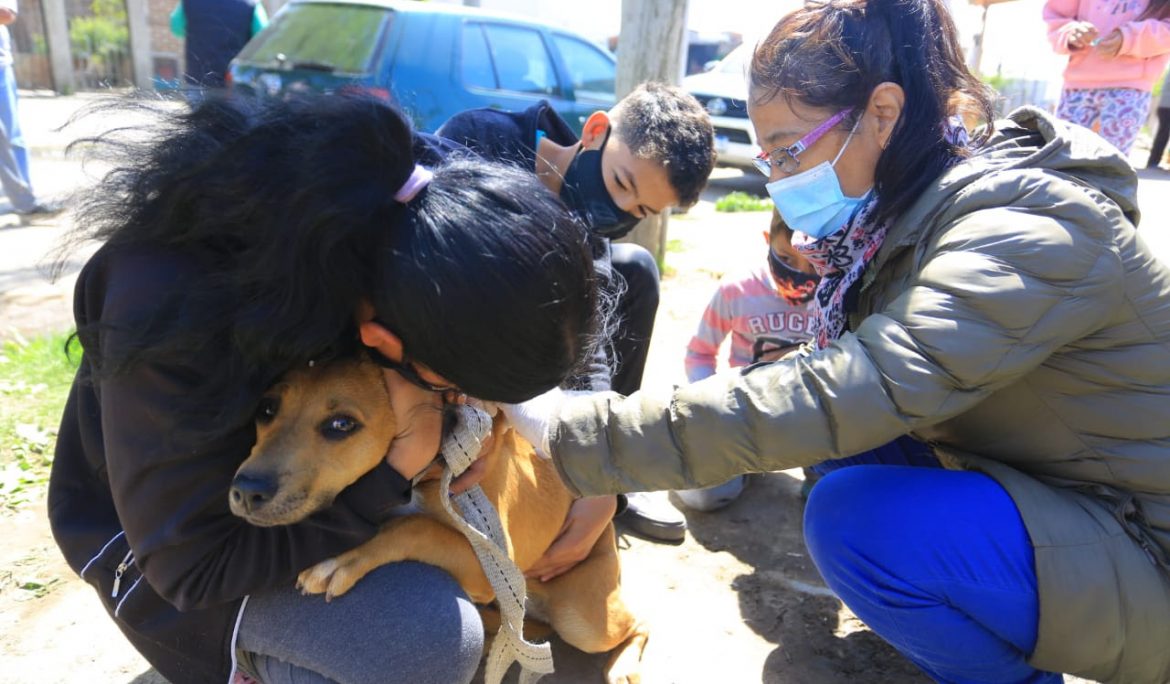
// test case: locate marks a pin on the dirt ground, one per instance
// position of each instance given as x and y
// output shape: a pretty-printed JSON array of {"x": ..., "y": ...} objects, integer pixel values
[{"x": 738, "y": 601}]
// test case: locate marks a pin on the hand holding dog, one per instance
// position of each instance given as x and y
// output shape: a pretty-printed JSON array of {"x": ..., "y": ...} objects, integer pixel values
[{"x": 585, "y": 522}]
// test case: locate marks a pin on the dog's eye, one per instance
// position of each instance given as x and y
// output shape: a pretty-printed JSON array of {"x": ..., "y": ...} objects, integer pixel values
[
  {"x": 339, "y": 427},
  {"x": 267, "y": 409}
]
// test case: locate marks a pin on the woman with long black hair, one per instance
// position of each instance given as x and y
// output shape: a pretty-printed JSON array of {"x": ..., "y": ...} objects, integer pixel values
[{"x": 242, "y": 240}]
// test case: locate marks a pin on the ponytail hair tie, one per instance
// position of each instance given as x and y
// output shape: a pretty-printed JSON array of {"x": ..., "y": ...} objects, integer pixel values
[{"x": 420, "y": 177}]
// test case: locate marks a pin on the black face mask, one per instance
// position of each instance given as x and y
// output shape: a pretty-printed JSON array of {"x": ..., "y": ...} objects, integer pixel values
[
  {"x": 795, "y": 286},
  {"x": 584, "y": 192}
]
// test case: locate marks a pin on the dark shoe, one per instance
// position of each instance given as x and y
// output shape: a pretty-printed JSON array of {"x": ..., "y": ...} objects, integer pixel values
[
  {"x": 42, "y": 209},
  {"x": 651, "y": 515},
  {"x": 811, "y": 477}
]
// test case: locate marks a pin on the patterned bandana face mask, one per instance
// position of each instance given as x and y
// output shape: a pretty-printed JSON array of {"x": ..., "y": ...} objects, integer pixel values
[{"x": 795, "y": 286}]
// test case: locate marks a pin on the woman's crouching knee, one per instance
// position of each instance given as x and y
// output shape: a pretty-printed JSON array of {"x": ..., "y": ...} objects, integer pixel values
[{"x": 840, "y": 516}]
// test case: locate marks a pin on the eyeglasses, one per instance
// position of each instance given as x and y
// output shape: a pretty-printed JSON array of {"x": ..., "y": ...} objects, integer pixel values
[
  {"x": 407, "y": 370},
  {"x": 786, "y": 159}
]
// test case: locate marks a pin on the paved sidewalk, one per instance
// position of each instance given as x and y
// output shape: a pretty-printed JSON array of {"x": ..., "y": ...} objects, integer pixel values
[
  {"x": 31, "y": 302},
  {"x": 44, "y": 113}
]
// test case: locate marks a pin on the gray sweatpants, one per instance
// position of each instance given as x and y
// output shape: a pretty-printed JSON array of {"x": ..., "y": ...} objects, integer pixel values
[{"x": 404, "y": 622}]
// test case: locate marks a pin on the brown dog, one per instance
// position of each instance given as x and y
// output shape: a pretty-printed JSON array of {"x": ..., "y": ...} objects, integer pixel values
[{"x": 320, "y": 429}]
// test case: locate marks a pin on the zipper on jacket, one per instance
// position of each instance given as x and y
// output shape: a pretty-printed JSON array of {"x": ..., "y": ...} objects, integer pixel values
[{"x": 121, "y": 570}]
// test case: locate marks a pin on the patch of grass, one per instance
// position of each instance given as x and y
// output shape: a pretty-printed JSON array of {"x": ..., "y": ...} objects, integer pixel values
[
  {"x": 675, "y": 245},
  {"x": 30, "y": 576},
  {"x": 35, "y": 376},
  {"x": 742, "y": 201}
]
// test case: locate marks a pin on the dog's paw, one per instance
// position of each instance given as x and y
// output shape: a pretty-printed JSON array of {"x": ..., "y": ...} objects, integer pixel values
[
  {"x": 331, "y": 577},
  {"x": 625, "y": 665},
  {"x": 315, "y": 580}
]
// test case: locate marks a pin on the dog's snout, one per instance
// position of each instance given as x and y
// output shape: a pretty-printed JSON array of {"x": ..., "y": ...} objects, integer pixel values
[{"x": 251, "y": 493}]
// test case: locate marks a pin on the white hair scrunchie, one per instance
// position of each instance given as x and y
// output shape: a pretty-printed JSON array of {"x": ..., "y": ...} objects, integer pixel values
[{"x": 420, "y": 177}]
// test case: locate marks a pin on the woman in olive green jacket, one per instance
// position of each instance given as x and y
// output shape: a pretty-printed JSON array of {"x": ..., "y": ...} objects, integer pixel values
[{"x": 990, "y": 300}]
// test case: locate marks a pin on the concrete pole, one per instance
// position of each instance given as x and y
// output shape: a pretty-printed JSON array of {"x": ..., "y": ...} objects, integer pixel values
[
  {"x": 60, "y": 53},
  {"x": 650, "y": 48},
  {"x": 138, "y": 17}
]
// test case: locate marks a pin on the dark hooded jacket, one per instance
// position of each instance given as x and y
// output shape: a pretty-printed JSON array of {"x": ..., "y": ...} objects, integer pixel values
[{"x": 138, "y": 499}]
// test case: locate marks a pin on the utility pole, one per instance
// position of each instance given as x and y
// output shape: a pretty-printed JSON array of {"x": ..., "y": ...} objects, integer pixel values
[{"x": 650, "y": 47}]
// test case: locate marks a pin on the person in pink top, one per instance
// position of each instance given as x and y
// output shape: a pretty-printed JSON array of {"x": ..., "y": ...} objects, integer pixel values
[
  {"x": 1116, "y": 51},
  {"x": 767, "y": 312}
]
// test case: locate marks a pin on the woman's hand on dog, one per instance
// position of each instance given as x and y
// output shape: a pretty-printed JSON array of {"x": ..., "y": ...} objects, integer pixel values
[{"x": 585, "y": 522}]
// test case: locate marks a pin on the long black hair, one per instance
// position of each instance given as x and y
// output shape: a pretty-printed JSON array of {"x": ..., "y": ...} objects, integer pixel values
[
  {"x": 833, "y": 53},
  {"x": 285, "y": 212},
  {"x": 1156, "y": 9}
]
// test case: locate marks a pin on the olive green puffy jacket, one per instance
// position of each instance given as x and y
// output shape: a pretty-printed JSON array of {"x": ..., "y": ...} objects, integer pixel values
[{"x": 1013, "y": 319}]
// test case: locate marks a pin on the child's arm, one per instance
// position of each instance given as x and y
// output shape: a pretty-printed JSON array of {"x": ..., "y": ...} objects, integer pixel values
[
  {"x": 1061, "y": 17},
  {"x": 713, "y": 328},
  {"x": 1144, "y": 39}
]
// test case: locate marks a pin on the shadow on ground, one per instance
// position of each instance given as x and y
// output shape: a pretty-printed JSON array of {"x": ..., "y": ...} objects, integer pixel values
[{"x": 785, "y": 601}]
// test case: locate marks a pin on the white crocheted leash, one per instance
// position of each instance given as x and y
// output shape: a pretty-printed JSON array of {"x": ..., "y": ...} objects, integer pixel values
[{"x": 482, "y": 528}]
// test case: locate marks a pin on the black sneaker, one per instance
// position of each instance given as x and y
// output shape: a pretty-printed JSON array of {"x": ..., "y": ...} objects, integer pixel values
[
  {"x": 42, "y": 209},
  {"x": 811, "y": 477}
]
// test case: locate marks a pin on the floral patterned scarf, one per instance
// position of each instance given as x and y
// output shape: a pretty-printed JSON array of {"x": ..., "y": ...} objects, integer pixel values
[{"x": 840, "y": 258}]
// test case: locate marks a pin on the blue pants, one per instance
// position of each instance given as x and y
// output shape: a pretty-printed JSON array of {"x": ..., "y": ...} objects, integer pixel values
[
  {"x": 14, "y": 177},
  {"x": 404, "y": 622},
  {"x": 937, "y": 562},
  {"x": 9, "y": 116}
]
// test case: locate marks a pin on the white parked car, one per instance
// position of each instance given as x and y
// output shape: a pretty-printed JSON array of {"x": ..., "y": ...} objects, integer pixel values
[{"x": 723, "y": 90}]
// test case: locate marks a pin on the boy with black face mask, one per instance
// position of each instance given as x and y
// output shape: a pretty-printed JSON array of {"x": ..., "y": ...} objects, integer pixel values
[{"x": 652, "y": 151}]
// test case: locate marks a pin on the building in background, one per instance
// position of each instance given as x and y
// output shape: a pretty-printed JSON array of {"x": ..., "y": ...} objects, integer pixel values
[{"x": 71, "y": 45}]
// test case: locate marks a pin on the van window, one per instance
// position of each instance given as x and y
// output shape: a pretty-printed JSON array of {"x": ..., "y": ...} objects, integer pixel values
[
  {"x": 334, "y": 38},
  {"x": 590, "y": 70},
  {"x": 521, "y": 60},
  {"x": 477, "y": 63}
]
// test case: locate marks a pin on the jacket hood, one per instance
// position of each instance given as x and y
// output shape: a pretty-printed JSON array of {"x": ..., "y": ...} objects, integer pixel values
[{"x": 1029, "y": 138}]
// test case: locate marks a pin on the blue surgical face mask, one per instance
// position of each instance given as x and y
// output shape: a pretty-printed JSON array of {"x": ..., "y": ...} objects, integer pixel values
[{"x": 812, "y": 201}]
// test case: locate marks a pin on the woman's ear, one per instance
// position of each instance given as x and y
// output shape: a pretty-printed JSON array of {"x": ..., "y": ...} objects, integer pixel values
[
  {"x": 377, "y": 336},
  {"x": 885, "y": 108}
]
